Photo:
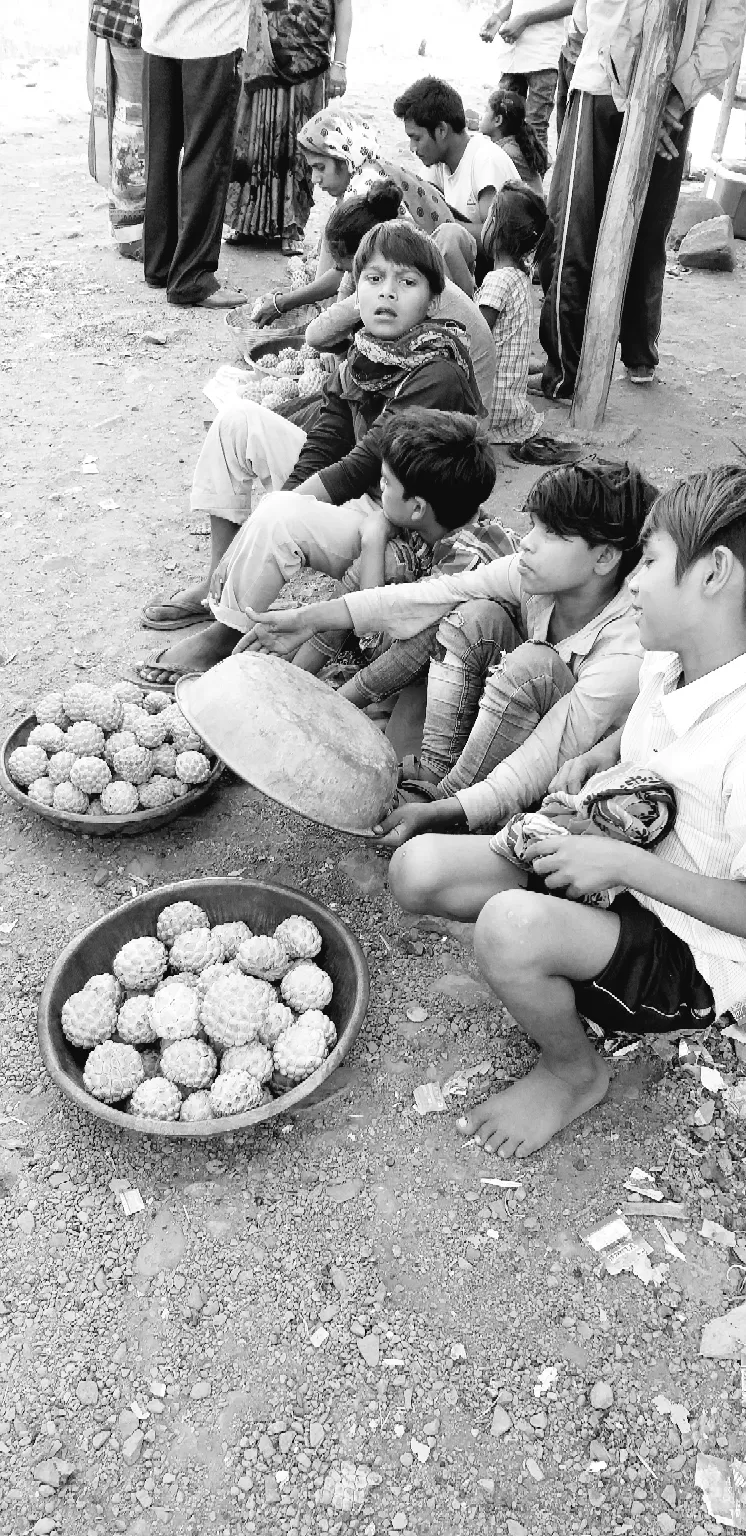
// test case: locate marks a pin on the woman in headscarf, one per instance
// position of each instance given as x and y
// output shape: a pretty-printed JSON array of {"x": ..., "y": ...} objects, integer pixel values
[
  {"x": 286, "y": 78},
  {"x": 345, "y": 158},
  {"x": 116, "y": 141}
]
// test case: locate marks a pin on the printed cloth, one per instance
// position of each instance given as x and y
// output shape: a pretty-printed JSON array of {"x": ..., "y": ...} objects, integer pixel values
[
  {"x": 380, "y": 367},
  {"x": 345, "y": 136},
  {"x": 118, "y": 21}
]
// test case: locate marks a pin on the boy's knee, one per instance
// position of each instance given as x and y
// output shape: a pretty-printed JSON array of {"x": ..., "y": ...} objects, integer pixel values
[
  {"x": 415, "y": 874},
  {"x": 454, "y": 239},
  {"x": 473, "y": 624},
  {"x": 510, "y": 930},
  {"x": 533, "y": 661}
]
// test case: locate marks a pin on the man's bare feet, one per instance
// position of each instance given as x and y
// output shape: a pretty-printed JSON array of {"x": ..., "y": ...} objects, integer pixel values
[
  {"x": 527, "y": 1115},
  {"x": 198, "y": 653}
]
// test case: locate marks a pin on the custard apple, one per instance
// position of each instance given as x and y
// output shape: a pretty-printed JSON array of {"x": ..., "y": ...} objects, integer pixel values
[
  {"x": 129, "y": 692},
  {"x": 85, "y": 739},
  {"x": 306, "y": 986},
  {"x": 90, "y": 774},
  {"x": 131, "y": 714},
  {"x": 42, "y": 791},
  {"x": 113, "y": 1071},
  {"x": 178, "y": 918},
  {"x": 155, "y": 703},
  {"x": 300, "y": 1051},
  {"x": 197, "y": 1107},
  {"x": 192, "y": 767},
  {"x": 49, "y": 737},
  {"x": 234, "y": 1008},
  {"x": 50, "y": 710},
  {"x": 174, "y": 1012},
  {"x": 278, "y": 1019},
  {"x": 60, "y": 766},
  {"x": 265, "y": 957},
  {"x": 210, "y": 974},
  {"x": 156, "y": 793},
  {"x": 119, "y": 799},
  {"x": 253, "y": 1058},
  {"x": 194, "y": 950},
  {"x": 88, "y": 1019},
  {"x": 233, "y": 1093},
  {"x": 164, "y": 760},
  {"x": 149, "y": 730},
  {"x": 313, "y": 1017},
  {"x": 156, "y": 1099},
  {"x": 134, "y": 1025},
  {"x": 140, "y": 964},
  {"x": 151, "y": 1063},
  {"x": 27, "y": 764},
  {"x": 186, "y": 979},
  {"x": 83, "y": 701},
  {"x": 68, "y": 798},
  {"x": 231, "y": 936},
  {"x": 105, "y": 985},
  {"x": 116, "y": 740},
  {"x": 134, "y": 764},
  {"x": 190, "y": 1063},
  {"x": 300, "y": 937},
  {"x": 178, "y": 789}
]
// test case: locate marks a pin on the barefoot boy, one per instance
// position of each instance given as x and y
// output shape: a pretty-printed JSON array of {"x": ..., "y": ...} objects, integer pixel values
[{"x": 671, "y": 950}]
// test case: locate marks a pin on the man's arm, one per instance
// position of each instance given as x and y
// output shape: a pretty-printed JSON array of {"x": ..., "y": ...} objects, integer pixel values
[
  {"x": 519, "y": 21},
  {"x": 494, "y": 21},
  {"x": 714, "y": 54}
]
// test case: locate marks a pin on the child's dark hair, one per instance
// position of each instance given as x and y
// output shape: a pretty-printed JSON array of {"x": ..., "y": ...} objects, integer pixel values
[
  {"x": 400, "y": 242},
  {"x": 601, "y": 501},
  {"x": 517, "y": 221},
  {"x": 431, "y": 101},
  {"x": 701, "y": 512},
  {"x": 354, "y": 216},
  {"x": 511, "y": 107},
  {"x": 443, "y": 457}
]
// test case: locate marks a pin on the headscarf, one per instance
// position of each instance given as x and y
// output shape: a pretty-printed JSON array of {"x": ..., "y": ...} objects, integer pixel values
[
  {"x": 343, "y": 136},
  {"x": 375, "y": 367}
]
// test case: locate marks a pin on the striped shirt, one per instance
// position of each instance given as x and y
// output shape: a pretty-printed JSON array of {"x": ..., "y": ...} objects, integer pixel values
[
  {"x": 695, "y": 738},
  {"x": 508, "y": 292}
]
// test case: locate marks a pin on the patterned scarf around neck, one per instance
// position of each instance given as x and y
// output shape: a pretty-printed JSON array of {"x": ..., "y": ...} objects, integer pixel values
[{"x": 381, "y": 367}]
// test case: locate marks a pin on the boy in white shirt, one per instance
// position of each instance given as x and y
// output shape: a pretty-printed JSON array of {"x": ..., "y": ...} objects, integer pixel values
[
  {"x": 468, "y": 168},
  {"x": 670, "y": 951}
]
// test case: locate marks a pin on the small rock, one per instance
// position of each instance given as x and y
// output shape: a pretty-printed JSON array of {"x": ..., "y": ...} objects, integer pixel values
[
  {"x": 44, "y": 1527},
  {"x": 602, "y": 1396},
  {"x": 132, "y": 1447},
  {"x": 535, "y": 1470},
  {"x": 598, "y": 1452},
  {"x": 370, "y": 1349},
  {"x": 25, "y": 1223},
  {"x": 286, "y": 1441},
  {"x": 194, "y": 1299},
  {"x": 156, "y": 338},
  {"x": 158, "y": 1388},
  {"x": 271, "y": 1490},
  {"x": 399, "y": 1522},
  {"x": 265, "y": 1448},
  {"x": 669, "y": 1494},
  {"x": 501, "y": 1422},
  {"x": 46, "y": 1472},
  {"x": 666, "y": 1524},
  {"x": 127, "y": 1423},
  {"x": 691, "y": 211},
  {"x": 315, "y": 1435},
  {"x": 488, "y": 1484},
  {"x": 201, "y": 1389},
  {"x": 349, "y": 1189},
  {"x": 100, "y": 1439},
  {"x": 710, "y": 246},
  {"x": 516, "y": 1529},
  {"x": 87, "y": 1393}
]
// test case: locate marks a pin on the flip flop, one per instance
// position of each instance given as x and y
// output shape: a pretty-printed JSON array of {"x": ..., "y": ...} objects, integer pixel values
[
  {"x": 177, "y": 615},
  {"x": 411, "y": 786},
  {"x": 134, "y": 674}
]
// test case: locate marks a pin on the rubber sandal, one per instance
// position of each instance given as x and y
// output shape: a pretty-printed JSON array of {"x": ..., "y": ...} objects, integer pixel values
[
  {"x": 133, "y": 674},
  {"x": 183, "y": 618}
]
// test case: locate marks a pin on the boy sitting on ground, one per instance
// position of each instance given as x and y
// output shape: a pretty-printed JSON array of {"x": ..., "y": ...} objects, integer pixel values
[
  {"x": 402, "y": 356},
  {"x": 537, "y": 668},
  {"x": 670, "y": 951}
]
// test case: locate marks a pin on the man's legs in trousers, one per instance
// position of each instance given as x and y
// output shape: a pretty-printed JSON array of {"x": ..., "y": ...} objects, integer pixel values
[
  {"x": 643, "y": 302},
  {"x": 164, "y": 136}
]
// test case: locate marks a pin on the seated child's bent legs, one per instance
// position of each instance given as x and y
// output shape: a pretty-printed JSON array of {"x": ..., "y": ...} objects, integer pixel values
[
  {"x": 517, "y": 695},
  {"x": 531, "y": 948},
  {"x": 287, "y": 532},
  {"x": 450, "y": 876},
  {"x": 471, "y": 640},
  {"x": 404, "y": 662}
]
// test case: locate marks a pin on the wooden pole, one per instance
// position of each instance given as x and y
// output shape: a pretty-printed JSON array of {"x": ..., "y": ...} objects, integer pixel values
[
  {"x": 662, "y": 31},
  {"x": 726, "y": 107}
]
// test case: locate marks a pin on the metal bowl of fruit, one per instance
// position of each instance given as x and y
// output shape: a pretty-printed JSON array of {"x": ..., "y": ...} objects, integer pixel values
[{"x": 116, "y": 1005}]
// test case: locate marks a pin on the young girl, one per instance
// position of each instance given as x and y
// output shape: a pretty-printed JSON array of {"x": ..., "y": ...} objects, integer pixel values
[
  {"x": 505, "y": 123},
  {"x": 514, "y": 226}
]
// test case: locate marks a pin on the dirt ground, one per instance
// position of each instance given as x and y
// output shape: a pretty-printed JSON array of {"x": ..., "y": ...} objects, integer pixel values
[{"x": 162, "y": 1372}]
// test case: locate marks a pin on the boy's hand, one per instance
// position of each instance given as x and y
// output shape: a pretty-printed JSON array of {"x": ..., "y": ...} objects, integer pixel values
[
  {"x": 408, "y": 821},
  {"x": 572, "y": 775},
  {"x": 513, "y": 28},
  {"x": 583, "y": 866},
  {"x": 490, "y": 29},
  {"x": 671, "y": 123},
  {"x": 377, "y": 530},
  {"x": 280, "y": 632},
  {"x": 217, "y": 580}
]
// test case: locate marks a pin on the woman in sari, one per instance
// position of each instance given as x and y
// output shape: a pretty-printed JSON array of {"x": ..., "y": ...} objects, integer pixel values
[
  {"x": 116, "y": 142},
  {"x": 286, "y": 78}
]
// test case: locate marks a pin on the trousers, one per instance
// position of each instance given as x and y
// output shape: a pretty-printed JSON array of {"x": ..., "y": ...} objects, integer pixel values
[
  {"x": 538, "y": 86},
  {"x": 189, "y": 105}
]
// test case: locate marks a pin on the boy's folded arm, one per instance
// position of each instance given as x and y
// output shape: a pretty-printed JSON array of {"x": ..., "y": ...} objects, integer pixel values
[
  {"x": 332, "y": 435},
  {"x": 601, "y": 699},
  {"x": 334, "y": 325},
  {"x": 404, "y": 611},
  {"x": 718, "y": 903}
]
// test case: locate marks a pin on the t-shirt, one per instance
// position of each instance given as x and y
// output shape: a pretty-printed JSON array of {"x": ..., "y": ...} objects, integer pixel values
[
  {"x": 194, "y": 29},
  {"x": 538, "y": 47},
  {"x": 483, "y": 164}
]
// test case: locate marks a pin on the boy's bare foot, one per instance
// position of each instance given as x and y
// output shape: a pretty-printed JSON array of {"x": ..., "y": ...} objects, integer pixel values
[{"x": 527, "y": 1115}]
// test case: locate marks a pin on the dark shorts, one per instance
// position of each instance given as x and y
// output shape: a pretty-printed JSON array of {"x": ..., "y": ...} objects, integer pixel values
[{"x": 651, "y": 983}]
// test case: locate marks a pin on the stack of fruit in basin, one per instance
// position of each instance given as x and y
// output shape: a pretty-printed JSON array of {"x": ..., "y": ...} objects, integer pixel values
[
  {"x": 198, "y": 1022},
  {"x": 109, "y": 752},
  {"x": 293, "y": 374}
]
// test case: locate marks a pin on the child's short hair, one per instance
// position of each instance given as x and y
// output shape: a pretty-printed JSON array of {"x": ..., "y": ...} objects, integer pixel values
[
  {"x": 442, "y": 456},
  {"x": 516, "y": 222},
  {"x": 700, "y": 512},
  {"x": 406, "y": 246},
  {"x": 354, "y": 216},
  {"x": 601, "y": 501},
  {"x": 431, "y": 101}
]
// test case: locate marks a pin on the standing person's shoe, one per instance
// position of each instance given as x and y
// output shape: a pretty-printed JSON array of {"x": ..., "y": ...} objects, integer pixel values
[
  {"x": 640, "y": 375},
  {"x": 217, "y": 298}
]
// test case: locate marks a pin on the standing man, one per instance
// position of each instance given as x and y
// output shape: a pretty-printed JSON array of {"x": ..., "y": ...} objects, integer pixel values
[
  {"x": 529, "y": 39},
  {"x": 599, "y": 91},
  {"x": 190, "y": 85}
]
